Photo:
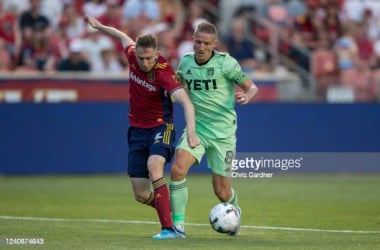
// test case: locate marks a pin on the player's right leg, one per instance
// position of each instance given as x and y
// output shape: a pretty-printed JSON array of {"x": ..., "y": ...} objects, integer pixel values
[
  {"x": 142, "y": 191},
  {"x": 184, "y": 158},
  {"x": 137, "y": 167}
]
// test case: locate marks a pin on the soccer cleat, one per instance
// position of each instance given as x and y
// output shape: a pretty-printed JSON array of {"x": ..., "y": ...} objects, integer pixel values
[
  {"x": 180, "y": 231},
  {"x": 236, "y": 232},
  {"x": 165, "y": 235}
]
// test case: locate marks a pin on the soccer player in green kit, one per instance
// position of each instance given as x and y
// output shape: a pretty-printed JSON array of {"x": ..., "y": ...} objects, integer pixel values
[{"x": 210, "y": 77}]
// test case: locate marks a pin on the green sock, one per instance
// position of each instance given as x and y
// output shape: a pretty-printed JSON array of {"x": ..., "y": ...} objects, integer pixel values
[
  {"x": 234, "y": 198},
  {"x": 178, "y": 200}
]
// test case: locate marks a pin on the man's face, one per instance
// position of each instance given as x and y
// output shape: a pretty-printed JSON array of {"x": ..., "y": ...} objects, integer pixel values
[
  {"x": 204, "y": 43},
  {"x": 146, "y": 58}
]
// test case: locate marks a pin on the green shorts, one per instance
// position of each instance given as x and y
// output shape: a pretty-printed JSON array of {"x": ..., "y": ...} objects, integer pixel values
[{"x": 219, "y": 152}]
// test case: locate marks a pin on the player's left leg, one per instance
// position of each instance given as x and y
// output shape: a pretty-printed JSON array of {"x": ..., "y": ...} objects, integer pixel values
[
  {"x": 225, "y": 193},
  {"x": 223, "y": 190},
  {"x": 219, "y": 157},
  {"x": 220, "y": 154}
]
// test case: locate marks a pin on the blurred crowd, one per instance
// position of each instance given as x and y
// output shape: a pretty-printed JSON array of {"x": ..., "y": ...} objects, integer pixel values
[
  {"x": 338, "y": 41},
  {"x": 50, "y": 35}
]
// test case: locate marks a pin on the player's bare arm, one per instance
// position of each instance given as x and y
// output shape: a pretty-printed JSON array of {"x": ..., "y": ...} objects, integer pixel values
[
  {"x": 249, "y": 92},
  {"x": 123, "y": 38},
  {"x": 180, "y": 96}
]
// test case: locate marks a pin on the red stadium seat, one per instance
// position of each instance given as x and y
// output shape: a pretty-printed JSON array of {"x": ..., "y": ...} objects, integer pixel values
[
  {"x": 362, "y": 83},
  {"x": 324, "y": 70}
]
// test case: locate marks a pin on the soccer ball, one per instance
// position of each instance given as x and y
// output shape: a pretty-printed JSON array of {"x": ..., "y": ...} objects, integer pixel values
[{"x": 224, "y": 218}]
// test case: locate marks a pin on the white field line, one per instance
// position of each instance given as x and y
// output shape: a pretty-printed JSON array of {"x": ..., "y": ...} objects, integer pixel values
[{"x": 4, "y": 217}]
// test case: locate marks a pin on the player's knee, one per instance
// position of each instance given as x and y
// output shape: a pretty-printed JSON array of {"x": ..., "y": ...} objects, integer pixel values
[
  {"x": 178, "y": 172},
  {"x": 142, "y": 198}
]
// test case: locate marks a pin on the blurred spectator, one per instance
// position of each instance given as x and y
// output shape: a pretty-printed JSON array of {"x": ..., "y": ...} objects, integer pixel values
[
  {"x": 332, "y": 24},
  {"x": 366, "y": 53},
  {"x": 295, "y": 8},
  {"x": 93, "y": 45},
  {"x": 346, "y": 49},
  {"x": 32, "y": 20},
  {"x": 16, "y": 7},
  {"x": 172, "y": 13},
  {"x": 227, "y": 10},
  {"x": 353, "y": 10},
  {"x": 10, "y": 35},
  {"x": 239, "y": 46},
  {"x": 112, "y": 17},
  {"x": 59, "y": 43},
  {"x": 372, "y": 22},
  {"x": 298, "y": 51},
  {"x": 72, "y": 23},
  {"x": 41, "y": 51},
  {"x": 139, "y": 15},
  {"x": 307, "y": 25},
  {"x": 194, "y": 14},
  {"x": 5, "y": 58},
  {"x": 52, "y": 10},
  {"x": 276, "y": 12},
  {"x": 167, "y": 45},
  {"x": 94, "y": 8},
  {"x": 108, "y": 63},
  {"x": 76, "y": 61},
  {"x": 35, "y": 28}
]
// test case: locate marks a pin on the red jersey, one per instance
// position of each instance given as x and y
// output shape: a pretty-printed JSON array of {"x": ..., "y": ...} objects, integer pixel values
[{"x": 150, "y": 103}]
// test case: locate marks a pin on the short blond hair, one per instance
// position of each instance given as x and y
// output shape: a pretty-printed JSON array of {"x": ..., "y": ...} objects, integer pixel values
[{"x": 206, "y": 27}]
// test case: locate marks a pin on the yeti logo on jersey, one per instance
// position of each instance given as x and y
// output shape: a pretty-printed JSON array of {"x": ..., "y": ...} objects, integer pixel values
[
  {"x": 188, "y": 72},
  {"x": 210, "y": 71},
  {"x": 198, "y": 84}
]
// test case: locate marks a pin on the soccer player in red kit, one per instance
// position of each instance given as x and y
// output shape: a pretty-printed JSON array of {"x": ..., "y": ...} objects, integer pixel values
[{"x": 151, "y": 135}]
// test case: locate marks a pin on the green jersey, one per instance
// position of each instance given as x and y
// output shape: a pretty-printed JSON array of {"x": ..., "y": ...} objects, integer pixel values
[{"x": 211, "y": 87}]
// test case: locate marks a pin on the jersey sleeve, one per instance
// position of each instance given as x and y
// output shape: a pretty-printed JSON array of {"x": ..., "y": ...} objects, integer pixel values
[
  {"x": 233, "y": 70},
  {"x": 129, "y": 52},
  {"x": 168, "y": 81}
]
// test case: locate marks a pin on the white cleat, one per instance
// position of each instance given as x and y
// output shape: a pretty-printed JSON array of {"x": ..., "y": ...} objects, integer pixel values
[{"x": 180, "y": 231}]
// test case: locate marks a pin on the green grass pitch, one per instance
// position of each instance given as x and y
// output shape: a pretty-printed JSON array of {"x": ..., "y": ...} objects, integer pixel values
[{"x": 309, "y": 211}]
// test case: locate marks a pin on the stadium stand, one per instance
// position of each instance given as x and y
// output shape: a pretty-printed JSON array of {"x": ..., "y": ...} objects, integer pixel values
[{"x": 291, "y": 36}]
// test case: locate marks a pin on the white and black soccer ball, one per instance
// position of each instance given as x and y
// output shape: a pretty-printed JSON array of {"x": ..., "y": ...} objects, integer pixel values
[{"x": 224, "y": 218}]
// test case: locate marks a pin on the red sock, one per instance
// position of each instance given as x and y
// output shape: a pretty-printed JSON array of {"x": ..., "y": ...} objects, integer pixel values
[{"x": 162, "y": 202}]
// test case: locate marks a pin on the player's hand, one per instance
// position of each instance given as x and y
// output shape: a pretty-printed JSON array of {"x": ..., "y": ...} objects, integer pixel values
[
  {"x": 91, "y": 21},
  {"x": 193, "y": 140},
  {"x": 241, "y": 98}
]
